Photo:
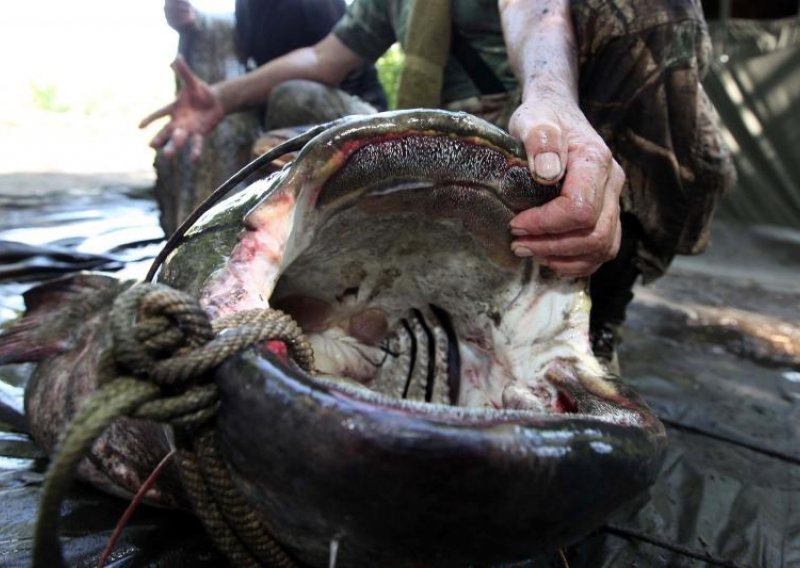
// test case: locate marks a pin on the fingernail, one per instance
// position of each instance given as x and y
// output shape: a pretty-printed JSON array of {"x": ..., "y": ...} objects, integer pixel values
[
  {"x": 521, "y": 251},
  {"x": 547, "y": 165},
  {"x": 519, "y": 232}
]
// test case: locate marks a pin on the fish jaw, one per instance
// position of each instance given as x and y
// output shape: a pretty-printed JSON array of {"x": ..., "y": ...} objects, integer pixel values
[
  {"x": 398, "y": 484},
  {"x": 327, "y": 176},
  {"x": 248, "y": 278}
]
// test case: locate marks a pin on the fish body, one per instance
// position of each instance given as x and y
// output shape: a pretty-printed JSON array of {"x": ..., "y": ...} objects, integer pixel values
[
  {"x": 65, "y": 330},
  {"x": 455, "y": 414}
]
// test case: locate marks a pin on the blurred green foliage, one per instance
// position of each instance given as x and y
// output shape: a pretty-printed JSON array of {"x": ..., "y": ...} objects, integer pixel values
[
  {"x": 389, "y": 66},
  {"x": 46, "y": 97}
]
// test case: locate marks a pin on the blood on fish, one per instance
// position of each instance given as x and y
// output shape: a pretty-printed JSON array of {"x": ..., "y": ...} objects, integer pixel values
[
  {"x": 565, "y": 403},
  {"x": 279, "y": 349},
  {"x": 246, "y": 251}
]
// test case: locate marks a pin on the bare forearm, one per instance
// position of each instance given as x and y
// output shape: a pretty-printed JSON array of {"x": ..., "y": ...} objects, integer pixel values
[
  {"x": 579, "y": 230},
  {"x": 328, "y": 62},
  {"x": 541, "y": 46}
]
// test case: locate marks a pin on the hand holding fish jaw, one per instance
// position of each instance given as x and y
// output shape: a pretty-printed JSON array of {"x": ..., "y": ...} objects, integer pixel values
[
  {"x": 580, "y": 229},
  {"x": 194, "y": 113}
]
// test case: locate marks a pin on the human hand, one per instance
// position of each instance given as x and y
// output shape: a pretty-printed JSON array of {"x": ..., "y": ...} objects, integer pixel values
[
  {"x": 196, "y": 112},
  {"x": 181, "y": 15},
  {"x": 580, "y": 229}
]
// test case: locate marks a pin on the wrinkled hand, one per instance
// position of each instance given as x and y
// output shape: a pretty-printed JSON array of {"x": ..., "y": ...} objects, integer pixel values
[
  {"x": 181, "y": 15},
  {"x": 580, "y": 229},
  {"x": 195, "y": 113}
]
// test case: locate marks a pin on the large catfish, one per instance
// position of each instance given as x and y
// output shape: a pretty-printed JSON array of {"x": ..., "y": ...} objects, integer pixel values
[{"x": 456, "y": 414}]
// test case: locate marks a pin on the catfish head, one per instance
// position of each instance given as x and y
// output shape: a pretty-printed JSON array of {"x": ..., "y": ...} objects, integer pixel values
[{"x": 456, "y": 414}]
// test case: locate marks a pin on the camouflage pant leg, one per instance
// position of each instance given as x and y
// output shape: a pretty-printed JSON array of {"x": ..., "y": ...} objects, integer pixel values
[
  {"x": 301, "y": 103},
  {"x": 641, "y": 63}
]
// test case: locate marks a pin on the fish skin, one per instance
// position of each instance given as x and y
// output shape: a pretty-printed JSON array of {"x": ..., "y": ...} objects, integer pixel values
[
  {"x": 65, "y": 331},
  {"x": 395, "y": 483},
  {"x": 398, "y": 488}
]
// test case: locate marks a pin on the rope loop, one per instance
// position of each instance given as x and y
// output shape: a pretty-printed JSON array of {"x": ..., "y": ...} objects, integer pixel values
[
  {"x": 152, "y": 322},
  {"x": 158, "y": 332},
  {"x": 270, "y": 324}
]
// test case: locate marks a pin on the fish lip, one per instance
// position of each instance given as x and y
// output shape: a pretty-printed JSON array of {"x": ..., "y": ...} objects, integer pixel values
[
  {"x": 415, "y": 120},
  {"x": 340, "y": 142},
  {"x": 352, "y": 396},
  {"x": 321, "y": 464},
  {"x": 637, "y": 417}
]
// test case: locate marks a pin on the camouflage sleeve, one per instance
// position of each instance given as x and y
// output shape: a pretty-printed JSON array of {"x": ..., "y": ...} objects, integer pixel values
[
  {"x": 366, "y": 28},
  {"x": 641, "y": 67}
]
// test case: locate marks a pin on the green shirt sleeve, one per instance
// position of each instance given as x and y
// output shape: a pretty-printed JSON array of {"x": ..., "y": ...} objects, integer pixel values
[
  {"x": 367, "y": 28},
  {"x": 370, "y": 27}
]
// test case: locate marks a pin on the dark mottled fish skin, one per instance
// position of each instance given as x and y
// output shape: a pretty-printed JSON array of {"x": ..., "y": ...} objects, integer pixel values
[
  {"x": 65, "y": 331},
  {"x": 181, "y": 184},
  {"x": 398, "y": 489},
  {"x": 12, "y": 412}
]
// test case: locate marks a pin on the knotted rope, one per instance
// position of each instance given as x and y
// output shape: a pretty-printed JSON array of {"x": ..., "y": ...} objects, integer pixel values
[{"x": 159, "y": 368}]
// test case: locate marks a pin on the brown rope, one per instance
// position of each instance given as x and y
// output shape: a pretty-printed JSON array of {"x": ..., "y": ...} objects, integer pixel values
[
  {"x": 163, "y": 337},
  {"x": 234, "y": 526}
]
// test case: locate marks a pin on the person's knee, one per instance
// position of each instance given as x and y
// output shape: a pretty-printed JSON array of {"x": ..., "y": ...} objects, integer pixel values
[
  {"x": 295, "y": 102},
  {"x": 302, "y": 102},
  {"x": 289, "y": 92}
]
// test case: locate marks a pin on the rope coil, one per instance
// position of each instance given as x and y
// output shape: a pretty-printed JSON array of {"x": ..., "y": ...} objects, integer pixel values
[{"x": 165, "y": 348}]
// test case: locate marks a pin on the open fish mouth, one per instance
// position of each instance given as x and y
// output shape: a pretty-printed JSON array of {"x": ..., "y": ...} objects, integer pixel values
[{"x": 456, "y": 413}]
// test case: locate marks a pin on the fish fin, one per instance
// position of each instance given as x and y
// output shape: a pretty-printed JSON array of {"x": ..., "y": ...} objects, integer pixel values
[{"x": 53, "y": 314}]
